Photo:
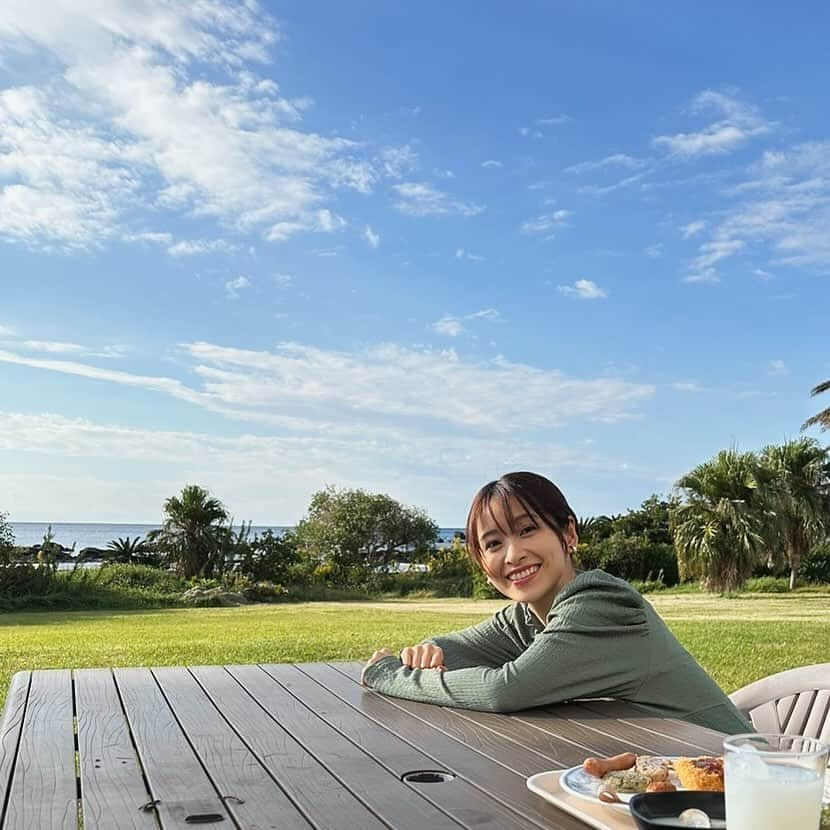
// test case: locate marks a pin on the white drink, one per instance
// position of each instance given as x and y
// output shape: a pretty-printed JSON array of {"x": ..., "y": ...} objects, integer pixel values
[{"x": 763, "y": 795}]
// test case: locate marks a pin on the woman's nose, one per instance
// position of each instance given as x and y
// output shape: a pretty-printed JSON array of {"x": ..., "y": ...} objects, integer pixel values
[{"x": 514, "y": 550}]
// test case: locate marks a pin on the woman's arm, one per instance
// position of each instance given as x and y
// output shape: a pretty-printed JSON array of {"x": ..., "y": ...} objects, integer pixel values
[
  {"x": 490, "y": 643},
  {"x": 595, "y": 645}
]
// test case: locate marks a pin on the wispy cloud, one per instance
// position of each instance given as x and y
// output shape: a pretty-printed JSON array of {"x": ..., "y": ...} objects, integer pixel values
[
  {"x": 371, "y": 237},
  {"x": 614, "y": 160},
  {"x": 547, "y": 223},
  {"x": 452, "y": 325},
  {"x": 687, "y": 386},
  {"x": 583, "y": 290},
  {"x": 761, "y": 274},
  {"x": 491, "y": 163},
  {"x": 198, "y": 247},
  {"x": 303, "y": 382},
  {"x": 460, "y": 253},
  {"x": 129, "y": 123},
  {"x": 553, "y": 120},
  {"x": 234, "y": 286},
  {"x": 737, "y": 122},
  {"x": 777, "y": 368},
  {"x": 283, "y": 280},
  {"x": 422, "y": 199},
  {"x": 654, "y": 251},
  {"x": 396, "y": 162},
  {"x": 693, "y": 228}
]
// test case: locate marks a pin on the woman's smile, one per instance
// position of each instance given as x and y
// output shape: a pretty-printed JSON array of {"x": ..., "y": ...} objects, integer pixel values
[{"x": 519, "y": 578}]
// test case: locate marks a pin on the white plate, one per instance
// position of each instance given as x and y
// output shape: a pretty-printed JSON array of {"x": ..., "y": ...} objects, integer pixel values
[{"x": 579, "y": 783}]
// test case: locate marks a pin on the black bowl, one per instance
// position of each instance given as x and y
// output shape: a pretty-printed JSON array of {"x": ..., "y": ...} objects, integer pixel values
[{"x": 649, "y": 807}]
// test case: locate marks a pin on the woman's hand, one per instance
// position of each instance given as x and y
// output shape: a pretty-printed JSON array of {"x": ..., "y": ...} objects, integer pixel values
[
  {"x": 378, "y": 655},
  {"x": 423, "y": 656}
]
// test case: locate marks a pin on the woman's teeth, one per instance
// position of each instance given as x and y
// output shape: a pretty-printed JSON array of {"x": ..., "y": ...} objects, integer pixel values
[{"x": 518, "y": 576}]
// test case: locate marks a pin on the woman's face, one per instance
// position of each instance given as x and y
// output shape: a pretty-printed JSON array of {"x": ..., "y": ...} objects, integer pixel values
[{"x": 528, "y": 562}]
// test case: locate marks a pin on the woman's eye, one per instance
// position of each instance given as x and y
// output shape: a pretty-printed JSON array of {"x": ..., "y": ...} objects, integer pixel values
[
  {"x": 491, "y": 545},
  {"x": 528, "y": 529}
]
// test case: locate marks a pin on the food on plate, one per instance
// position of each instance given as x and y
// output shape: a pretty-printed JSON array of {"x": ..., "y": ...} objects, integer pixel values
[
  {"x": 661, "y": 786},
  {"x": 600, "y": 766},
  {"x": 702, "y": 773},
  {"x": 654, "y": 767},
  {"x": 626, "y": 780},
  {"x": 607, "y": 793}
]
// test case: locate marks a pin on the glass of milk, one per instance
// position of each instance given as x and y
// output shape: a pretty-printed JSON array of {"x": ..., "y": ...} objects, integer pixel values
[{"x": 773, "y": 781}]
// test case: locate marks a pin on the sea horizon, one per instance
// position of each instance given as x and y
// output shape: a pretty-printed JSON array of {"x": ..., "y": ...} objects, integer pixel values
[{"x": 100, "y": 534}]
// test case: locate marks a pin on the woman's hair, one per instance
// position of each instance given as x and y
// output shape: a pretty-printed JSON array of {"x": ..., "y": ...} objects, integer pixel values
[{"x": 538, "y": 496}]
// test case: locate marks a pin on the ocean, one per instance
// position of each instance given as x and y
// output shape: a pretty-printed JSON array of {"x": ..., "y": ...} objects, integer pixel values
[{"x": 89, "y": 535}]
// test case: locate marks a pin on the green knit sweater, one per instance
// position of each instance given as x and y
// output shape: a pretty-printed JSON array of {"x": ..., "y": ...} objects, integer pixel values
[{"x": 601, "y": 639}]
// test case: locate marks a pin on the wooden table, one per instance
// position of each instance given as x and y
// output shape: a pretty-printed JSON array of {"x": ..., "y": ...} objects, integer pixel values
[{"x": 290, "y": 747}]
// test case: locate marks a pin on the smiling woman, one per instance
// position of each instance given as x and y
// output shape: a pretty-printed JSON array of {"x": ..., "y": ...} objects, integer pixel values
[{"x": 569, "y": 634}]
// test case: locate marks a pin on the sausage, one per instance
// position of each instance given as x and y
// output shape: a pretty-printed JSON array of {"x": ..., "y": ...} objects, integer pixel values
[
  {"x": 661, "y": 787},
  {"x": 601, "y": 766}
]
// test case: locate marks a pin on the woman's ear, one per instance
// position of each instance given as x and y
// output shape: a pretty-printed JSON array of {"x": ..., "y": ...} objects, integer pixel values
[{"x": 571, "y": 536}]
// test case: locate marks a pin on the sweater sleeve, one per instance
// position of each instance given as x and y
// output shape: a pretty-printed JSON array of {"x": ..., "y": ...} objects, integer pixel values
[
  {"x": 491, "y": 643},
  {"x": 593, "y": 645}
]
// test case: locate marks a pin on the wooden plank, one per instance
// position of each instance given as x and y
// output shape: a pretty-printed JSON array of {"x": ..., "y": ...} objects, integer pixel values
[
  {"x": 544, "y": 736},
  {"x": 495, "y": 777},
  {"x": 11, "y": 728},
  {"x": 459, "y": 798},
  {"x": 394, "y": 802},
  {"x": 308, "y": 783},
  {"x": 44, "y": 790},
  {"x": 249, "y": 792},
  {"x": 669, "y": 735},
  {"x": 112, "y": 781},
  {"x": 174, "y": 775}
]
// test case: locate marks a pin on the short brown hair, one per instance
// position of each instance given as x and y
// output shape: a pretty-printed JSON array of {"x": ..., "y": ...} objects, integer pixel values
[{"x": 536, "y": 494}]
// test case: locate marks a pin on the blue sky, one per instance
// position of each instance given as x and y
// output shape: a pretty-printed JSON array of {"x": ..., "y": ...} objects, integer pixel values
[{"x": 267, "y": 247}]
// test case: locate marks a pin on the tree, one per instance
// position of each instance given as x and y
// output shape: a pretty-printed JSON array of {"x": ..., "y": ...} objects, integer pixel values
[
  {"x": 6, "y": 539},
  {"x": 193, "y": 532},
  {"x": 356, "y": 534},
  {"x": 797, "y": 494},
  {"x": 270, "y": 557},
  {"x": 821, "y": 419},
  {"x": 718, "y": 530},
  {"x": 127, "y": 549}
]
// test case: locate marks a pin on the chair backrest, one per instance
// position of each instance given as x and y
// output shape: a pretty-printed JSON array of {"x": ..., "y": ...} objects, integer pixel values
[{"x": 794, "y": 702}]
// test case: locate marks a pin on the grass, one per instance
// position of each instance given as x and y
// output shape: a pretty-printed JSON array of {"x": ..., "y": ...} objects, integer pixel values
[{"x": 736, "y": 640}]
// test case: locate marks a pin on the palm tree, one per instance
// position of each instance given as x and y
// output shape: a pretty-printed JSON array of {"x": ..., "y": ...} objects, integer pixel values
[
  {"x": 193, "y": 532},
  {"x": 717, "y": 530},
  {"x": 127, "y": 549},
  {"x": 798, "y": 495},
  {"x": 823, "y": 417}
]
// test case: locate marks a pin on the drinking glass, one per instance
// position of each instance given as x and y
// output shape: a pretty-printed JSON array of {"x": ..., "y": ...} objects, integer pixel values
[{"x": 773, "y": 781}]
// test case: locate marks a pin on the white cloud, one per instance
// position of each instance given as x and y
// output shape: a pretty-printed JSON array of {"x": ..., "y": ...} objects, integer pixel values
[
  {"x": 738, "y": 122},
  {"x": 712, "y": 252},
  {"x": 396, "y": 162},
  {"x": 53, "y": 347},
  {"x": 553, "y": 120},
  {"x": 761, "y": 274},
  {"x": 300, "y": 385},
  {"x": 127, "y": 122},
  {"x": 283, "y": 280},
  {"x": 693, "y": 228},
  {"x": 530, "y": 132},
  {"x": 449, "y": 325},
  {"x": 687, "y": 386},
  {"x": 547, "y": 223},
  {"x": 422, "y": 199},
  {"x": 460, "y": 253},
  {"x": 602, "y": 190},
  {"x": 491, "y": 163},
  {"x": 6, "y": 331},
  {"x": 777, "y": 367},
  {"x": 615, "y": 160},
  {"x": 583, "y": 290},
  {"x": 197, "y": 247},
  {"x": 234, "y": 286},
  {"x": 371, "y": 237},
  {"x": 654, "y": 251}
]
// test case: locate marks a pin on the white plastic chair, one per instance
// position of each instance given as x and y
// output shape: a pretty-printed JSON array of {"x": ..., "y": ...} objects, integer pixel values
[{"x": 794, "y": 702}]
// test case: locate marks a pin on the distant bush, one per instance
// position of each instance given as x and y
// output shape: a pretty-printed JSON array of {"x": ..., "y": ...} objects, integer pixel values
[
  {"x": 648, "y": 586},
  {"x": 816, "y": 565},
  {"x": 635, "y": 558},
  {"x": 140, "y": 577},
  {"x": 767, "y": 585}
]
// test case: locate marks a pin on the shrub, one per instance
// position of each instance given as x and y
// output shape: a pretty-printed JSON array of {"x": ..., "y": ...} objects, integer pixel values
[
  {"x": 816, "y": 566},
  {"x": 767, "y": 585},
  {"x": 140, "y": 577}
]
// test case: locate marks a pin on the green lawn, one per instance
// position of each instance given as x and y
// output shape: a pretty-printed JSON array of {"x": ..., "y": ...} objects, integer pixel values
[{"x": 737, "y": 640}]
